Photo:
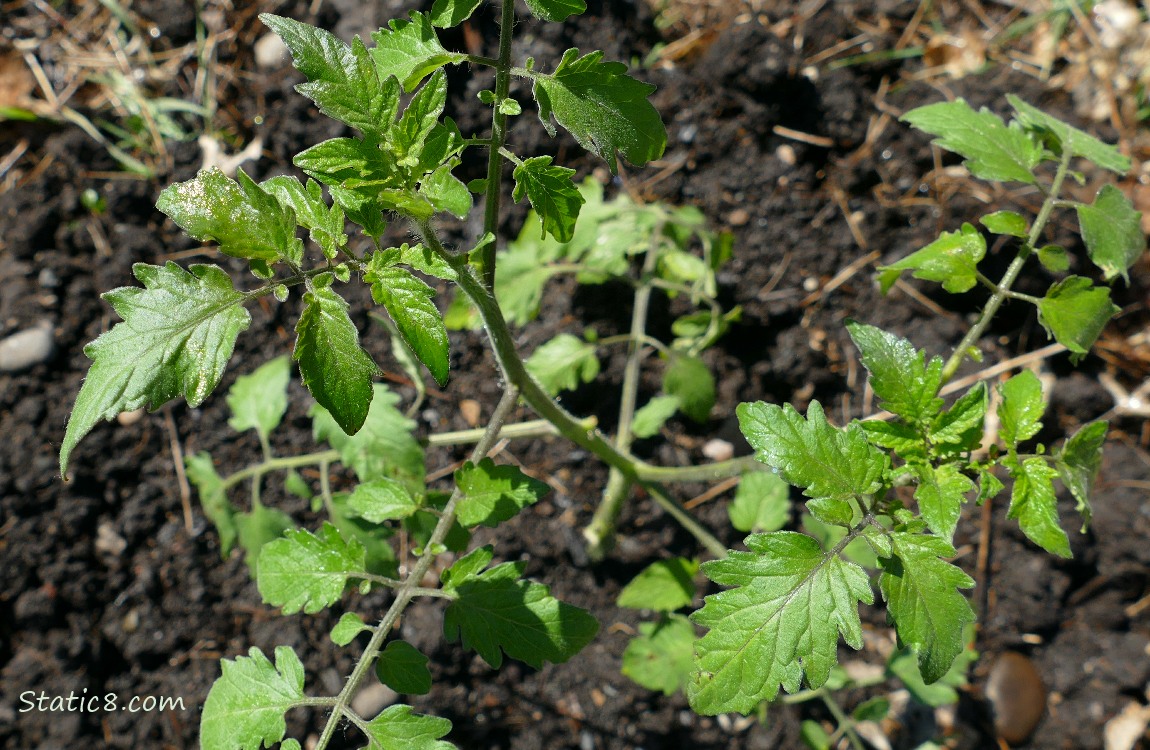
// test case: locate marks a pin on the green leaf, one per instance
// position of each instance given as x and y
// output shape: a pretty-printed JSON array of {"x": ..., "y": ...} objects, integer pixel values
[
  {"x": 419, "y": 121},
  {"x": 446, "y": 192},
  {"x": 1054, "y": 258},
  {"x": 342, "y": 79},
  {"x": 324, "y": 224},
  {"x": 814, "y": 736},
  {"x": 606, "y": 110},
  {"x": 762, "y": 503},
  {"x": 1033, "y": 503},
  {"x": 243, "y": 219},
  {"x": 307, "y": 571},
  {"x": 466, "y": 567},
  {"x": 384, "y": 446},
  {"x": 379, "y": 556},
  {"x": 403, "y": 668},
  {"x": 259, "y": 528},
  {"x": 1078, "y": 462},
  {"x": 563, "y": 363},
  {"x": 991, "y": 150},
  {"x": 1010, "y": 223},
  {"x": 900, "y": 375},
  {"x": 923, "y": 601},
  {"x": 1020, "y": 414},
  {"x": 1074, "y": 312},
  {"x": 940, "y": 495},
  {"x": 650, "y": 417},
  {"x": 1069, "y": 138},
  {"x": 810, "y": 453},
  {"x": 688, "y": 379},
  {"x": 498, "y": 613},
  {"x": 899, "y": 437},
  {"x": 448, "y": 13},
  {"x": 349, "y": 626},
  {"x": 1112, "y": 230},
  {"x": 296, "y": 485},
  {"x": 951, "y": 260},
  {"x": 425, "y": 261},
  {"x": 552, "y": 194},
  {"x": 904, "y": 665},
  {"x": 556, "y": 10},
  {"x": 519, "y": 285},
  {"x": 782, "y": 620},
  {"x": 333, "y": 365},
  {"x": 356, "y": 172},
  {"x": 860, "y": 550},
  {"x": 382, "y": 500},
  {"x": 410, "y": 50},
  {"x": 259, "y": 401},
  {"x": 988, "y": 485},
  {"x": 875, "y": 709},
  {"x": 661, "y": 657},
  {"x": 245, "y": 707},
  {"x": 410, "y": 304},
  {"x": 176, "y": 337},
  {"x": 398, "y": 728},
  {"x": 493, "y": 494},
  {"x": 213, "y": 498},
  {"x": 959, "y": 428},
  {"x": 663, "y": 586}
]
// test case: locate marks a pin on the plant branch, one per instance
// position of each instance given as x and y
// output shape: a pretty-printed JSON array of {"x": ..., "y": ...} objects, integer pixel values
[
  {"x": 600, "y": 533},
  {"x": 411, "y": 584},
  {"x": 515, "y": 374},
  {"x": 486, "y": 260},
  {"x": 972, "y": 336}
]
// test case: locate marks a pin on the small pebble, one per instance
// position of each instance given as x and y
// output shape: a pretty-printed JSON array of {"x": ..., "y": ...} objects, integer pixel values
[
  {"x": 108, "y": 541},
  {"x": 48, "y": 278},
  {"x": 1017, "y": 695},
  {"x": 129, "y": 418},
  {"x": 271, "y": 52},
  {"x": 738, "y": 217},
  {"x": 718, "y": 450},
  {"x": 26, "y": 348},
  {"x": 373, "y": 699},
  {"x": 470, "y": 410}
]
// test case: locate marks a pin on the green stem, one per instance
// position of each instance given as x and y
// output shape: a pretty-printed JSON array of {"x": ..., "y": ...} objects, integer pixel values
[
  {"x": 515, "y": 374},
  {"x": 529, "y": 429},
  {"x": 486, "y": 260},
  {"x": 706, "y": 473},
  {"x": 600, "y": 533},
  {"x": 280, "y": 464},
  {"x": 411, "y": 584},
  {"x": 846, "y": 723},
  {"x": 1002, "y": 289},
  {"x": 490, "y": 62}
]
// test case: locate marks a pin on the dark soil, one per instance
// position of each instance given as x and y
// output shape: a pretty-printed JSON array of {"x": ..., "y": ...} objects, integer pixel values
[{"x": 107, "y": 591}]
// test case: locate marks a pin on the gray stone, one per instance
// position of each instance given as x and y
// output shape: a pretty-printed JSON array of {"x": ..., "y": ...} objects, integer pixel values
[{"x": 25, "y": 348}]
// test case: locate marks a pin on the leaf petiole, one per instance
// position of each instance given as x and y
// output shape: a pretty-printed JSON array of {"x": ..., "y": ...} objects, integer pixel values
[{"x": 1011, "y": 275}]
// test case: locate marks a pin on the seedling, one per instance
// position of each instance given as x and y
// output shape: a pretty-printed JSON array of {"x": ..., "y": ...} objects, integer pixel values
[{"x": 790, "y": 595}]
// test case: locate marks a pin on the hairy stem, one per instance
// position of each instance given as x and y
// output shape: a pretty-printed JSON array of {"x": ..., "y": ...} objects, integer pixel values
[
  {"x": 600, "y": 533},
  {"x": 411, "y": 584},
  {"x": 1002, "y": 289},
  {"x": 486, "y": 260},
  {"x": 515, "y": 374}
]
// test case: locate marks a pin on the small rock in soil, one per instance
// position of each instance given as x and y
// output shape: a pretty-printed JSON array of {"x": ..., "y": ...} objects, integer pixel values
[
  {"x": 1017, "y": 694},
  {"x": 373, "y": 699},
  {"x": 718, "y": 450},
  {"x": 470, "y": 410},
  {"x": 26, "y": 348},
  {"x": 271, "y": 52}
]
